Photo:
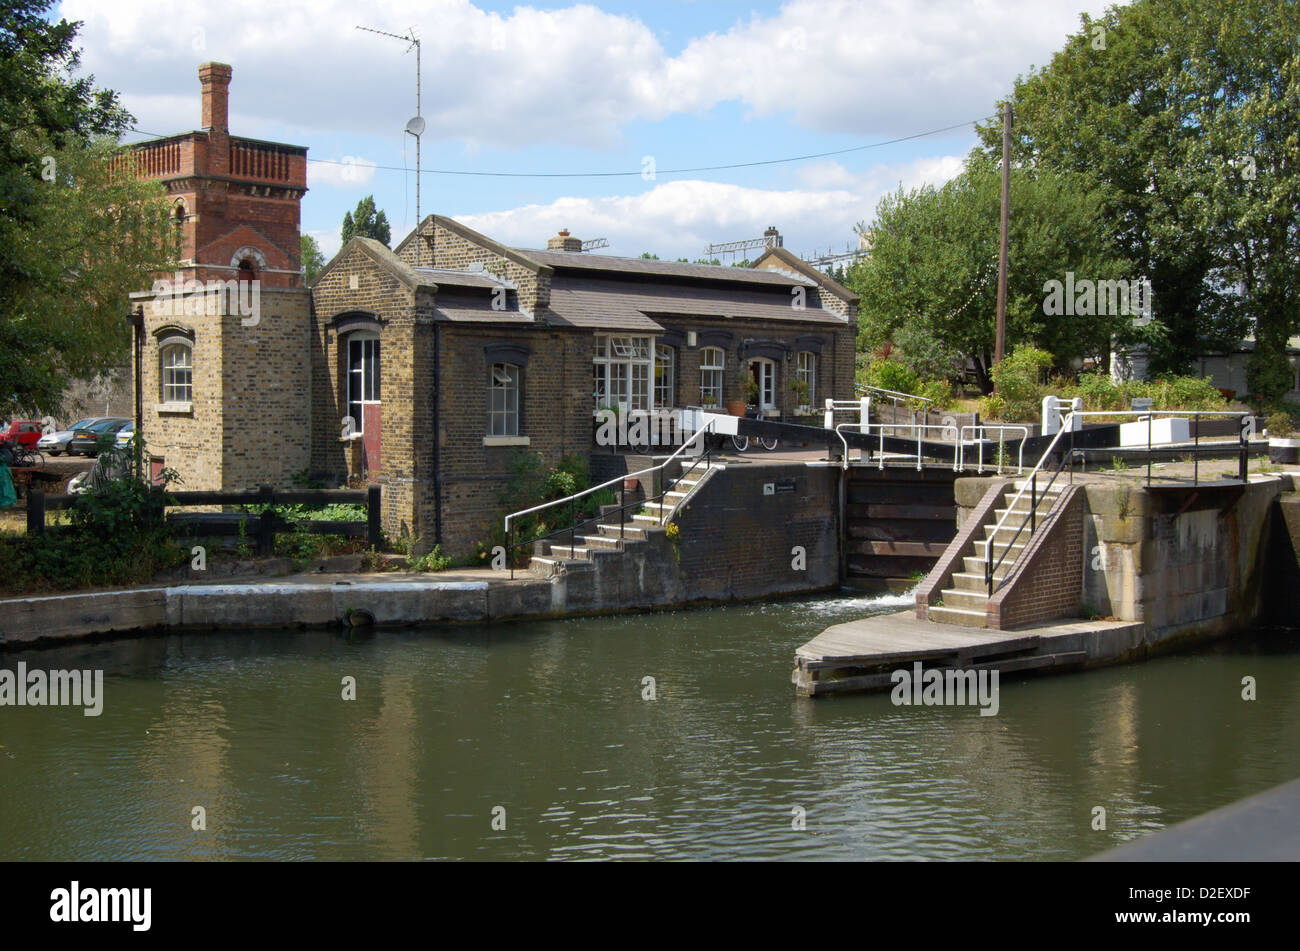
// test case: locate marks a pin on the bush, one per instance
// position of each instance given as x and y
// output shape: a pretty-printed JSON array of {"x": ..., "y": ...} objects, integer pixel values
[
  {"x": 891, "y": 374},
  {"x": 116, "y": 536},
  {"x": 1019, "y": 386},
  {"x": 433, "y": 561},
  {"x": 1280, "y": 424}
]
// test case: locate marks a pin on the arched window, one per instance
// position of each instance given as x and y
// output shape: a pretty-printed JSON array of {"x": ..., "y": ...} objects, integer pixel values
[
  {"x": 176, "y": 371},
  {"x": 503, "y": 399},
  {"x": 665, "y": 376},
  {"x": 247, "y": 271},
  {"x": 712, "y": 365}
]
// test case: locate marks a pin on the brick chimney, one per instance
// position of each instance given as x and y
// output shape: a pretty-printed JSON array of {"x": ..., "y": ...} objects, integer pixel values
[
  {"x": 564, "y": 242},
  {"x": 772, "y": 238},
  {"x": 215, "y": 78}
]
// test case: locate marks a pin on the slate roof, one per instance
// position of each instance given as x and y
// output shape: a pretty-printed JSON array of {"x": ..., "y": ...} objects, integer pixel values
[
  {"x": 620, "y": 305},
  {"x": 642, "y": 267}
]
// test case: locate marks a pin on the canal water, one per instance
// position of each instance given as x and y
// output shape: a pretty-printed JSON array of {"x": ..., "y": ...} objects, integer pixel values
[{"x": 547, "y": 729}]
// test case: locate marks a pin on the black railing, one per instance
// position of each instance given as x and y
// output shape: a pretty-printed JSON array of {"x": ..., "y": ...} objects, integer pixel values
[{"x": 263, "y": 526}]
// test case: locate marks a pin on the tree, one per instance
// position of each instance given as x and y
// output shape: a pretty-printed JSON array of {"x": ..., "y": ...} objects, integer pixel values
[
  {"x": 312, "y": 258},
  {"x": 77, "y": 233},
  {"x": 932, "y": 272},
  {"x": 1184, "y": 113},
  {"x": 366, "y": 222}
]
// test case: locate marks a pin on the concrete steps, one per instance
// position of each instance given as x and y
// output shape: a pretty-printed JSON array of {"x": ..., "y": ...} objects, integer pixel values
[
  {"x": 556, "y": 557},
  {"x": 965, "y": 603}
]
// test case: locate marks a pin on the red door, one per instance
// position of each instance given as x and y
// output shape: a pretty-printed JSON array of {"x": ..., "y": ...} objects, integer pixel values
[{"x": 370, "y": 440}]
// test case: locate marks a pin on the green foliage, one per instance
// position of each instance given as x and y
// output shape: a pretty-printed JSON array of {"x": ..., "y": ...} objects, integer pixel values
[
  {"x": 531, "y": 483},
  {"x": 891, "y": 374},
  {"x": 1281, "y": 425},
  {"x": 1020, "y": 386},
  {"x": 115, "y": 535},
  {"x": 432, "y": 561},
  {"x": 312, "y": 258},
  {"x": 1184, "y": 120},
  {"x": 366, "y": 222},
  {"x": 929, "y": 286}
]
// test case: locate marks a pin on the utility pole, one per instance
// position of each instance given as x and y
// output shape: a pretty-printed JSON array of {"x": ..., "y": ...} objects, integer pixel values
[{"x": 1001, "y": 341}]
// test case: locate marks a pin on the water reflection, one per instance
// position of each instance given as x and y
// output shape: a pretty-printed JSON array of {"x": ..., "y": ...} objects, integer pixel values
[{"x": 548, "y": 722}]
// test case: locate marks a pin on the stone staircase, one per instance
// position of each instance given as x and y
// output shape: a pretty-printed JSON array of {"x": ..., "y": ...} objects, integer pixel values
[
  {"x": 610, "y": 538},
  {"x": 966, "y": 601}
]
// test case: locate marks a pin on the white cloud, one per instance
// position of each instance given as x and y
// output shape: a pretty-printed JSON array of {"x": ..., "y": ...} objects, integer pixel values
[
  {"x": 350, "y": 171},
  {"x": 578, "y": 74},
  {"x": 680, "y": 218},
  {"x": 329, "y": 240}
]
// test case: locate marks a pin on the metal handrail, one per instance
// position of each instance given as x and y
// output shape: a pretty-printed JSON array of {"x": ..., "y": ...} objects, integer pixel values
[
  {"x": 867, "y": 387},
  {"x": 1031, "y": 483},
  {"x": 708, "y": 427},
  {"x": 959, "y": 458}
]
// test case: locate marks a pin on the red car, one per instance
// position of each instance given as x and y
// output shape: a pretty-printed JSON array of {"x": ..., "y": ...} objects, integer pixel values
[{"x": 22, "y": 432}]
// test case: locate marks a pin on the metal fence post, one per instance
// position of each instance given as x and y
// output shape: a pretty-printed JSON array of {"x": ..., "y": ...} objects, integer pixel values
[
  {"x": 266, "y": 522},
  {"x": 35, "y": 510},
  {"x": 374, "y": 531}
]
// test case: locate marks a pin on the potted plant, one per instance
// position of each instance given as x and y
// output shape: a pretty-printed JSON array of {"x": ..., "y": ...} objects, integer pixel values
[
  {"x": 800, "y": 390},
  {"x": 1283, "y": 440},
  {"x": 736, "y": 407}
]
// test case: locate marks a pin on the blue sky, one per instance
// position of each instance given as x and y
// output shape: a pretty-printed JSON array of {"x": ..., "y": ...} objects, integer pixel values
[{"x": 590, "y": 87}]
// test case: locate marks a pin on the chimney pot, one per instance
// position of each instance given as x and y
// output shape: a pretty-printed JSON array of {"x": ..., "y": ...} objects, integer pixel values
[{"x": 564, "y": 242}]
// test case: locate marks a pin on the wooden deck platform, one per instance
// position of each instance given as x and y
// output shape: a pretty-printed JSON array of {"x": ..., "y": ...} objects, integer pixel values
[{"x": 862, "y": 655}]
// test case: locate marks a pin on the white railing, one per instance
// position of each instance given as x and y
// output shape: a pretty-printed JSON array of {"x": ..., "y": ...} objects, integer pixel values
[
  {"x": 571, "y": 500},
  {"x": 959, "y": 458}
]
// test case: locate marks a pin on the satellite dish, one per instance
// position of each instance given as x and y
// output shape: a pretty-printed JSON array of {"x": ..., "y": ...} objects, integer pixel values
[{"x": 416, "y": 126}]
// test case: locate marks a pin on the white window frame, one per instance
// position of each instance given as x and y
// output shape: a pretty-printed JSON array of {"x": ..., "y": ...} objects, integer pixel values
[
  {"x": 712, "y": 374},
  {"x": 806, "y": 370},
  {"x": 171, "y": 388},
  {"x": 766, "y": 382},
  {"x": 363, "y": 379},
  {"x": 505, "y": 379},
  {"x": 623, "y": 371},
  {"x": 665, "y": 376}
]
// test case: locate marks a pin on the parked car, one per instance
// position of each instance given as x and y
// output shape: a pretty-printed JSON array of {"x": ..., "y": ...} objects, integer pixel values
[
  {"x": 85, "y": 441},
  {"x": 22, "y": 432},
  {"x": 56, "y": 443},
  {"x": 125, "y": 434}
]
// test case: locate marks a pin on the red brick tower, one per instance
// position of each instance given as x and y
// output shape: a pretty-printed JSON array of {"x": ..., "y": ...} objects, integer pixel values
[{"x": 236, "y": 200}]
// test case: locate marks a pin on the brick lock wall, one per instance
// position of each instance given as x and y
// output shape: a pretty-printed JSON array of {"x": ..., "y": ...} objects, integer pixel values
[
  {"x": 1048, "y": 580},
  {"x": 735, "y": 542}
]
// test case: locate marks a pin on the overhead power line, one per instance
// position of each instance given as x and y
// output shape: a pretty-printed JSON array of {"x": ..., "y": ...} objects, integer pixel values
[{"x": 639, "y": 172}]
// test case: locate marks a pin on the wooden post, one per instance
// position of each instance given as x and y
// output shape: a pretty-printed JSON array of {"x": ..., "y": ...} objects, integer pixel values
[
  {"x": 1001, "y": 340},
  {"x": 35, "y": 510},
  {"x": 373, "y": 528},
  {"x": 266, "y": 524}
]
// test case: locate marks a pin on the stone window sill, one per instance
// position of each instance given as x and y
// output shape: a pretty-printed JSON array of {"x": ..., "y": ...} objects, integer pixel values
[
  {"x": 174, "y": 409},
  {"x": 505, "y": 440}
]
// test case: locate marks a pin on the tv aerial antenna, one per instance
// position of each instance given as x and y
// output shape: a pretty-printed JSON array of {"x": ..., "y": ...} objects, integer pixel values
[{"x": 416, "y": 125}]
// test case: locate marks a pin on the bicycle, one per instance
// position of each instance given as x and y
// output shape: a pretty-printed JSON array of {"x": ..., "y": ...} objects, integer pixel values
[
  {"x": 742, "y": 442},
  {"x": 23, "y": 457}
]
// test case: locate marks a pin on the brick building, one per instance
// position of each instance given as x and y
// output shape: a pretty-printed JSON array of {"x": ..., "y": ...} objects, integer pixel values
[{"x": 426, "y": 368}]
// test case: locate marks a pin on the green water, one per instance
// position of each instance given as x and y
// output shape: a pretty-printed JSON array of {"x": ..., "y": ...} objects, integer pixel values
[{"x": 547, "y": 721}]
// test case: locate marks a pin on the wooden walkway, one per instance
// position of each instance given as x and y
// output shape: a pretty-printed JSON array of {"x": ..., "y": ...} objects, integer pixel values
[{"x": 862, "y": 655}]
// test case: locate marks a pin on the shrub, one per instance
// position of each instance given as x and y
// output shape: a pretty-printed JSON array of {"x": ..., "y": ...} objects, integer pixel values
[
  {"x": 1019, "y": 386},
  {"x": 1280, "y": 424},
  {"x": 891, "y": 374},
  {"x": 433, "y": 561}
]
